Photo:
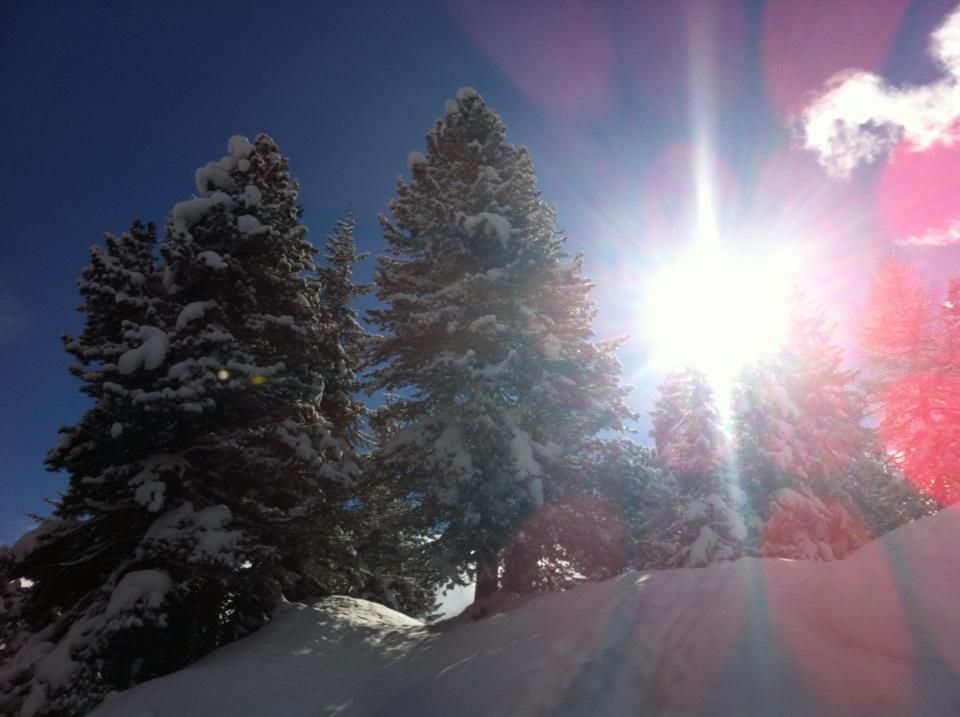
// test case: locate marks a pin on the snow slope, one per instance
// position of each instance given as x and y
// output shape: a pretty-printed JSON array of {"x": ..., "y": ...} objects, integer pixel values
[{"x": 876, "y": 634}]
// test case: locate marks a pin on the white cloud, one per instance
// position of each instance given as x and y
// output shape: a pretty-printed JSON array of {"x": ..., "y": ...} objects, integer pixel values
[
  {"x": 935, "y": 236},
  {"x": 859, "y": 118}
]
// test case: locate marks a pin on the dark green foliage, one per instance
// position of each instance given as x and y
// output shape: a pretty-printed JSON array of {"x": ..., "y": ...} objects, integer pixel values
[
  {"x": 487, "y": 331},
  {"x": 206, "y": 483}
]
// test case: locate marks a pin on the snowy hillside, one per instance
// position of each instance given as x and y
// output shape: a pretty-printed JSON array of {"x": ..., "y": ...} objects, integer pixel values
[{"x": 877, "y": 634}]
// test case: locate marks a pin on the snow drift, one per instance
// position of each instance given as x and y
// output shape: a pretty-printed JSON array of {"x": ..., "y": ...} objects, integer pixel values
[{"x": 876, "y": 634}]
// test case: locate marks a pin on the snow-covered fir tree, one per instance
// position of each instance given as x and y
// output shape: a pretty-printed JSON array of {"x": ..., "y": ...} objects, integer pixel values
[
  {"x": 702, "y": 525},
  {"x": 914, "y": 377},
  {"x": 393, "y": 566},
  {"x": 620, "y": 503},
  {"x": 880, "y": 496},
  {"x": 486, "y": 329},
  {"x": 586, "y": 529},
  {"x": 897, "y": 324},
  {"x": 205, "y": 482},
  {"x": 13, "y": 626},
  {"x": 826, "y": 436},
  {"x": 341, "y": 404},
  {"x": 686, "y": 424},
  {"x": 798, "y": 420}
]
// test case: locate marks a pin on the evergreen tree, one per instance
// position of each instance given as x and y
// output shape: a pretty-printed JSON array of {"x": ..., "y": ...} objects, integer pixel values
[
  {"x": 896, "y": 329},
  {"x": 702, "y": 524},
  {"x": 880, "y": 496},
  {"x": 949, "y": 344},
  {"x": 668, "y": 410},
  {"x": 205, "y": 483},
  {"x": 686, "y": 425},
  {"x": 398, "y": 569},
  {"x": 910, "y": 345},
  {"x": 341, "y": 404},
  {"x": 826, "y": 436},
  {"x": 588, "y": 528},
  {"x": 487, "y": 330},
  {"x": 391, "y": 566},
  {"x": 798, "y": 424},
  {"x": 13, "y": 627},
  {"x": 626, "y": 508}
]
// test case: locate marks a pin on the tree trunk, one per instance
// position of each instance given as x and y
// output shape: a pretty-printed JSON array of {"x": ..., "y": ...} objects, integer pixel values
[
  {"x": 487, "y": 577},
  {"x": 519, "y": 568}
]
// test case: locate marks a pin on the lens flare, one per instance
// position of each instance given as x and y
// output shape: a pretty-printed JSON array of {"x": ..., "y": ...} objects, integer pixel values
[{"x": 717, "y": 310}]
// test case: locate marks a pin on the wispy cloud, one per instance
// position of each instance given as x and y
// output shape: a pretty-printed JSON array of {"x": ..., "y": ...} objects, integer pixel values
[
  {"x": 860, "y": 117},
  {"x": 935, "y": 236}
]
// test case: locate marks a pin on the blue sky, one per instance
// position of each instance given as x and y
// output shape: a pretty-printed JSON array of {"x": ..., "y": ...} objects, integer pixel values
[{"x": 107, "y": 108}]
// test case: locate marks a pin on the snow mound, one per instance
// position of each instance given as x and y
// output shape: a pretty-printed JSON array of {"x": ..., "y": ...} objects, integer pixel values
[
  {"x": 252, "y": 196},
  {"x": 415, "y": 159},
  {"x": 148, "y": 586},
  {"x": 490, "y": 225},
  {"x": 239, "y": 146},
  {"x": 194, "y": 310},
  {"x": 212, "y": 260},
  {"x": 190, "y": 211},
  {"x": 148, "y": 355},
  {"x": 249, "y": 224},
  {"x": 878, "y": 634}
]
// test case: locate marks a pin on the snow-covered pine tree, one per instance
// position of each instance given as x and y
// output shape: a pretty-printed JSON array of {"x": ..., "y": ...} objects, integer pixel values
[
  {"x": 881, "y": 497},
  {"x": 615, "y": 502},
  {"x": 668, "y": 409},
  {"x": 205, "y": 483},
  {"x": 341, "y": 404},
  {"x": 798, "y": 425},
  {"x": 580, "y": 531},
  {"x": 68, "y": 562},
  {"x": 13, "y": 626},
  {"x": 393, "y": 567},
  {"x": 487, "y": 332},
  {"x": 897, "y": 324},
  {"x": 827, "y": 438},
  {"x": 910, "y": 346},
  {"x": 686, "y": 425},
  {"x": 704, "y": 526}
]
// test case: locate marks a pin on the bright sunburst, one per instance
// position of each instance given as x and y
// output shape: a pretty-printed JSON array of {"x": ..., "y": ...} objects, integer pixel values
[{"x": 716, "y": 309}]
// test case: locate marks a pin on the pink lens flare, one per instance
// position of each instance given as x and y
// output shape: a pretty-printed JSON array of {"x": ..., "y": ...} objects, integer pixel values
[
  {"x": 805, "y": 42},
  {"x": 921, "y": 428},
  {"x": 918, "y": 194},
  {"x": 812, "y": 609}
]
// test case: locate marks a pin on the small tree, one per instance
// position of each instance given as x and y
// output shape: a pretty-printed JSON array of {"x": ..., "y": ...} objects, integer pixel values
[
  {"x": 341, "y": 404},
  {"x": 686, "y": 425},
  {"x": 703, "y": 526},
  {"x": 394, "y": 567}
]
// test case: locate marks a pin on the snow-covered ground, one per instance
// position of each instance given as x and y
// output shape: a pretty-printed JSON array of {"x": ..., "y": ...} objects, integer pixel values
[{"x": 876, "y": 634}]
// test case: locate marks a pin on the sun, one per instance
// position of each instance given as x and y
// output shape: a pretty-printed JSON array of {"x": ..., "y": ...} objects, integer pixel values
[{"x": 716, "y": 309}]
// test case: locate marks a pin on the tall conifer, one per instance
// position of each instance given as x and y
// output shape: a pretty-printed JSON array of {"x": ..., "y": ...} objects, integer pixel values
[
  {"x": 205, "y": 482},
  {"x": 486, "y": 328}
]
